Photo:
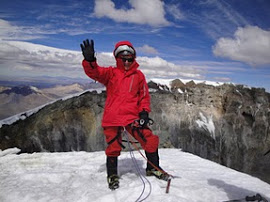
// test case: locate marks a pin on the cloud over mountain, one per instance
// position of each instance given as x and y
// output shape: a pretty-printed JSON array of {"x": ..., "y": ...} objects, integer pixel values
[
  {"x": 38, "y": 59},
  {"x": 250, "y": 44}
]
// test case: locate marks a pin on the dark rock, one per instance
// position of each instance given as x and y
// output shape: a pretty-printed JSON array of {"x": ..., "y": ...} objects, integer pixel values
[{"x": 152, "y": 85}]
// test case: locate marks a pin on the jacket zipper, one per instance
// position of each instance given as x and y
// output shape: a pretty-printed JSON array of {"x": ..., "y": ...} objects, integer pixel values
[{"x": 130, "y": 87}]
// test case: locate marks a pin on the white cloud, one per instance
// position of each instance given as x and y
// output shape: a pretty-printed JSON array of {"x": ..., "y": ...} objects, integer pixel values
[
  {"x": 10, "y": 31},
  {"x": 148, "y": 50},
  {"x": 15, "y": 31},
  {"x": 214, "y": 17},
  {"x": 24, "y": 58},
  {"x": 175, "y": 11},
  {"x": 157, "y": 67},
  {"x": 250, "y": 44},
  {"x": 28, "y": 59},
  {"x": 7, "y": 30},
  {"x": 6, "y": 27},
  {"x": 149, "y": 12}
]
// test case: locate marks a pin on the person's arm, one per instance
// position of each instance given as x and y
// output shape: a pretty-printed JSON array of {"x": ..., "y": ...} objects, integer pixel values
[
  {"x": 90, "y": 65},
  {"x": 97, "y": 73}
]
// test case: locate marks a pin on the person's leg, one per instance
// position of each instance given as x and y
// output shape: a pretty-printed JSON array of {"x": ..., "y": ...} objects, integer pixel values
[
  {"x": 112, "y": 151},
  {"x": 111, "y": 164},
  {"x": 112, "y": 176},
  {"x": 145, "y": 137},
  {"x": 150, "y": 143}
]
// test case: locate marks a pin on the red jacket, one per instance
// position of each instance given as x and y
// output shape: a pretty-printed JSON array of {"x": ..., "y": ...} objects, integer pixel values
[{"x": 127, "y": 91}]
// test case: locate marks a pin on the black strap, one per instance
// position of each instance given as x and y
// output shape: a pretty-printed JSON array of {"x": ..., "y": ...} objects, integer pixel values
[
  {"x": 267, "y": 152},
  {"x": 138, "y": 130},
  {"x": 134, "y": 128},
  {"x": 130, "y": 141},
  {"x": 117, "y": 137}
]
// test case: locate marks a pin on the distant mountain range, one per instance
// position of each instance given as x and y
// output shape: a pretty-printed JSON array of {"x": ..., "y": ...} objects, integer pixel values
[
  {"x": 41, "y": 81},
  {"x": 19, "y": 99}
]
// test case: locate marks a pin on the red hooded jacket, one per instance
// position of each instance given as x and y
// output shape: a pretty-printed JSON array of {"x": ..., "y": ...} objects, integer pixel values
[{"x": 127, "y": 91}]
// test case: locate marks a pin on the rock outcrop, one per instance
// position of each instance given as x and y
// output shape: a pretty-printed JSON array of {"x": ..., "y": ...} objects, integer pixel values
[{"x": 227, "y": 124}]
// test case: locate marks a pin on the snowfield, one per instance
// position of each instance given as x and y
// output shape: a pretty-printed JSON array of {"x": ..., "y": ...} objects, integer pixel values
[{"x": 81, "y": 176}]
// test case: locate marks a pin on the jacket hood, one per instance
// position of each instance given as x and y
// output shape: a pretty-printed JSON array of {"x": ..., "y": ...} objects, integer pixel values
[{"x": 125, "y": 46}]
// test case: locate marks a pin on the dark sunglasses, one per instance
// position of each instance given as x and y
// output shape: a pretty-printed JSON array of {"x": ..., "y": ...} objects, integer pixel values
[{"x": 127, "y": 59}]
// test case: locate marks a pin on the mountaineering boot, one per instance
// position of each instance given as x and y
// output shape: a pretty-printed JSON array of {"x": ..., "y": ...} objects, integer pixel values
[
  {"x": 112, "y": 177},
  {"x": 158, "y": 174},
  {"x": 113, "y": 182},
  {"x": 151, "y": 170}
]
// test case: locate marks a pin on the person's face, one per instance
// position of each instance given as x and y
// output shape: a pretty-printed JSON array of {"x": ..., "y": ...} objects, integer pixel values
[{"x": 127, "y": 61}]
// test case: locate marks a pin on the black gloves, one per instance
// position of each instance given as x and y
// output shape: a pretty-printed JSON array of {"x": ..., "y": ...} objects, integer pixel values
[
  {"x": 144, "y": 118},
  {"x": 88, "y": 50}
]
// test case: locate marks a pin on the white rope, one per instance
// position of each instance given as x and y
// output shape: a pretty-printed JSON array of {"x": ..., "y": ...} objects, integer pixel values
[{"x": 142, "y": 177}]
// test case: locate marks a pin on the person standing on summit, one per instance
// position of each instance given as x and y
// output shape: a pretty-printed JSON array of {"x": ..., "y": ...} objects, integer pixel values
[{"x": 128, "y": 101}]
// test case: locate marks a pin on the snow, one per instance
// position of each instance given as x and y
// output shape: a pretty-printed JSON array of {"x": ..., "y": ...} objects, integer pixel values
[
  {"x": 33, "y": 88},
  {"x": 180, "y": 91},
  {"x": 81, "y": 176},
  {"x": 9, "y": 151},
  {"x": 207, "y": 124},
  {"x": 21, "y": 116},
  {"x": 168, "y": 82}
]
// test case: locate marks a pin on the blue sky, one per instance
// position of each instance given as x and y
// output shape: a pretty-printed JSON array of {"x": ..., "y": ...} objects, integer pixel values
[{"x": 226, "y": 41}]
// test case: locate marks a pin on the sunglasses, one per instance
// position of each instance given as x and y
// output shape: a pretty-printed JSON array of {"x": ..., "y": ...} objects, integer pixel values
[{"x": 127, "y": 59}]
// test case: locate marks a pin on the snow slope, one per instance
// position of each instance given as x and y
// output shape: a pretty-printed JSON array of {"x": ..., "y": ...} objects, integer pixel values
[{"x": 81, "y": 176}]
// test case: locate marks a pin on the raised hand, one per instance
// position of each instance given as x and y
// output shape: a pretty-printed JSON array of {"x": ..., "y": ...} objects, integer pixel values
[{"x": 88, "y": 50}]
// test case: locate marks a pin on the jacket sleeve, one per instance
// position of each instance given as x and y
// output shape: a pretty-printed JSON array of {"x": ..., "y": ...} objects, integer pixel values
[
  {"x": 144, "y": 97},
  {"x": 95, "y": 72}
]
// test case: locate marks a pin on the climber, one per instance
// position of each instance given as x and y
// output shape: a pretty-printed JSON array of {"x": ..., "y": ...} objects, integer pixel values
[{"x": 127, "y": 100}]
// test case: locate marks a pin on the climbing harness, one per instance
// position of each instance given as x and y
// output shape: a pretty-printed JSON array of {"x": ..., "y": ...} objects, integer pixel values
[{"x": 136, "y": 126}]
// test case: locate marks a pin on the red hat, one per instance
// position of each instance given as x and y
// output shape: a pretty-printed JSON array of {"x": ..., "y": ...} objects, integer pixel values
[{"x": 125, "y": 48}]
